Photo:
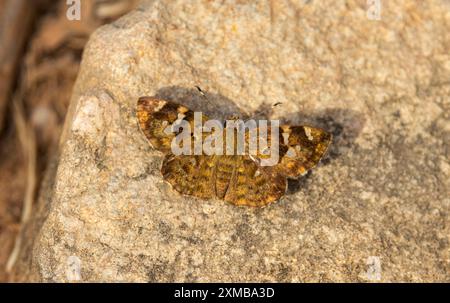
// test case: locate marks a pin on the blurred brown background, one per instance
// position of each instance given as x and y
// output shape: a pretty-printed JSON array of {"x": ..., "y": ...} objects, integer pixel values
[{"x": 40, "y": 52}]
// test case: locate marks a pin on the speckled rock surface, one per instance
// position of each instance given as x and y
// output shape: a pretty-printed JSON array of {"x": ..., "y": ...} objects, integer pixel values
[{"x": 376, "y": 209}]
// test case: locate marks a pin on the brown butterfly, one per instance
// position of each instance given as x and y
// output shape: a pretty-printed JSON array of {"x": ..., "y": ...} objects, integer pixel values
[{"x": 238, "y": 179}]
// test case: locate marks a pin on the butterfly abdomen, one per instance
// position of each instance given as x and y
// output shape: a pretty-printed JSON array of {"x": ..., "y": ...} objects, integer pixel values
[{"x": 224, "y": 170}]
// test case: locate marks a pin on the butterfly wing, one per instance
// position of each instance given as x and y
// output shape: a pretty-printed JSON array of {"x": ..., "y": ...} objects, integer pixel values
[
  {"x": 301, "y": 148},
  {"x": 155, "y": 115},
  {"x": 190, "y": 175},
  {"x": 252, "y": 185}
]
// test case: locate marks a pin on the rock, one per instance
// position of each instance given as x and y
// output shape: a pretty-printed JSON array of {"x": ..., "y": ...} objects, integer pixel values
[{"x": 377, "y": 207}]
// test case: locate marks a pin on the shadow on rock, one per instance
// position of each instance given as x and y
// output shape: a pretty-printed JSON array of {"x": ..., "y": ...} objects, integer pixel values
[
  {"x": 215, "y": 106},
  {"x": 344, "y": 124}
]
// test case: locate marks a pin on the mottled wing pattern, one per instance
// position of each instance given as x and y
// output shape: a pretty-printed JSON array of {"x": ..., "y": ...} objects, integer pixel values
[
  {"x": 154, "y": 115},
  {"x": 301, "y": 148},
  {"x": 190, "y": 175},
  {"x": 252, "y": 185}
]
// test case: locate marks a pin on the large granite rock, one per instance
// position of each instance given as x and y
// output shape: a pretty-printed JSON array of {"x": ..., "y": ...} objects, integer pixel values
[{"x": 376, "y": 209}]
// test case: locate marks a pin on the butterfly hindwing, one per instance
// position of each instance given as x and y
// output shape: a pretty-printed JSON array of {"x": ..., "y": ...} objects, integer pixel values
[
  {"x": 190, "y": 175},
  {"x": 252, "y": 185}
]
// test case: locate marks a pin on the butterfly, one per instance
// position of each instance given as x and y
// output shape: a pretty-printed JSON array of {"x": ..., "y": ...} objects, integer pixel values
[{"x": 239, "y": 179}]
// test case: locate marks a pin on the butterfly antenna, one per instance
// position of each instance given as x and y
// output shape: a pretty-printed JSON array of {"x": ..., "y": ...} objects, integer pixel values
[
  {"x": 202, "y": 93},
  {"x": 265, "y": 110}
]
